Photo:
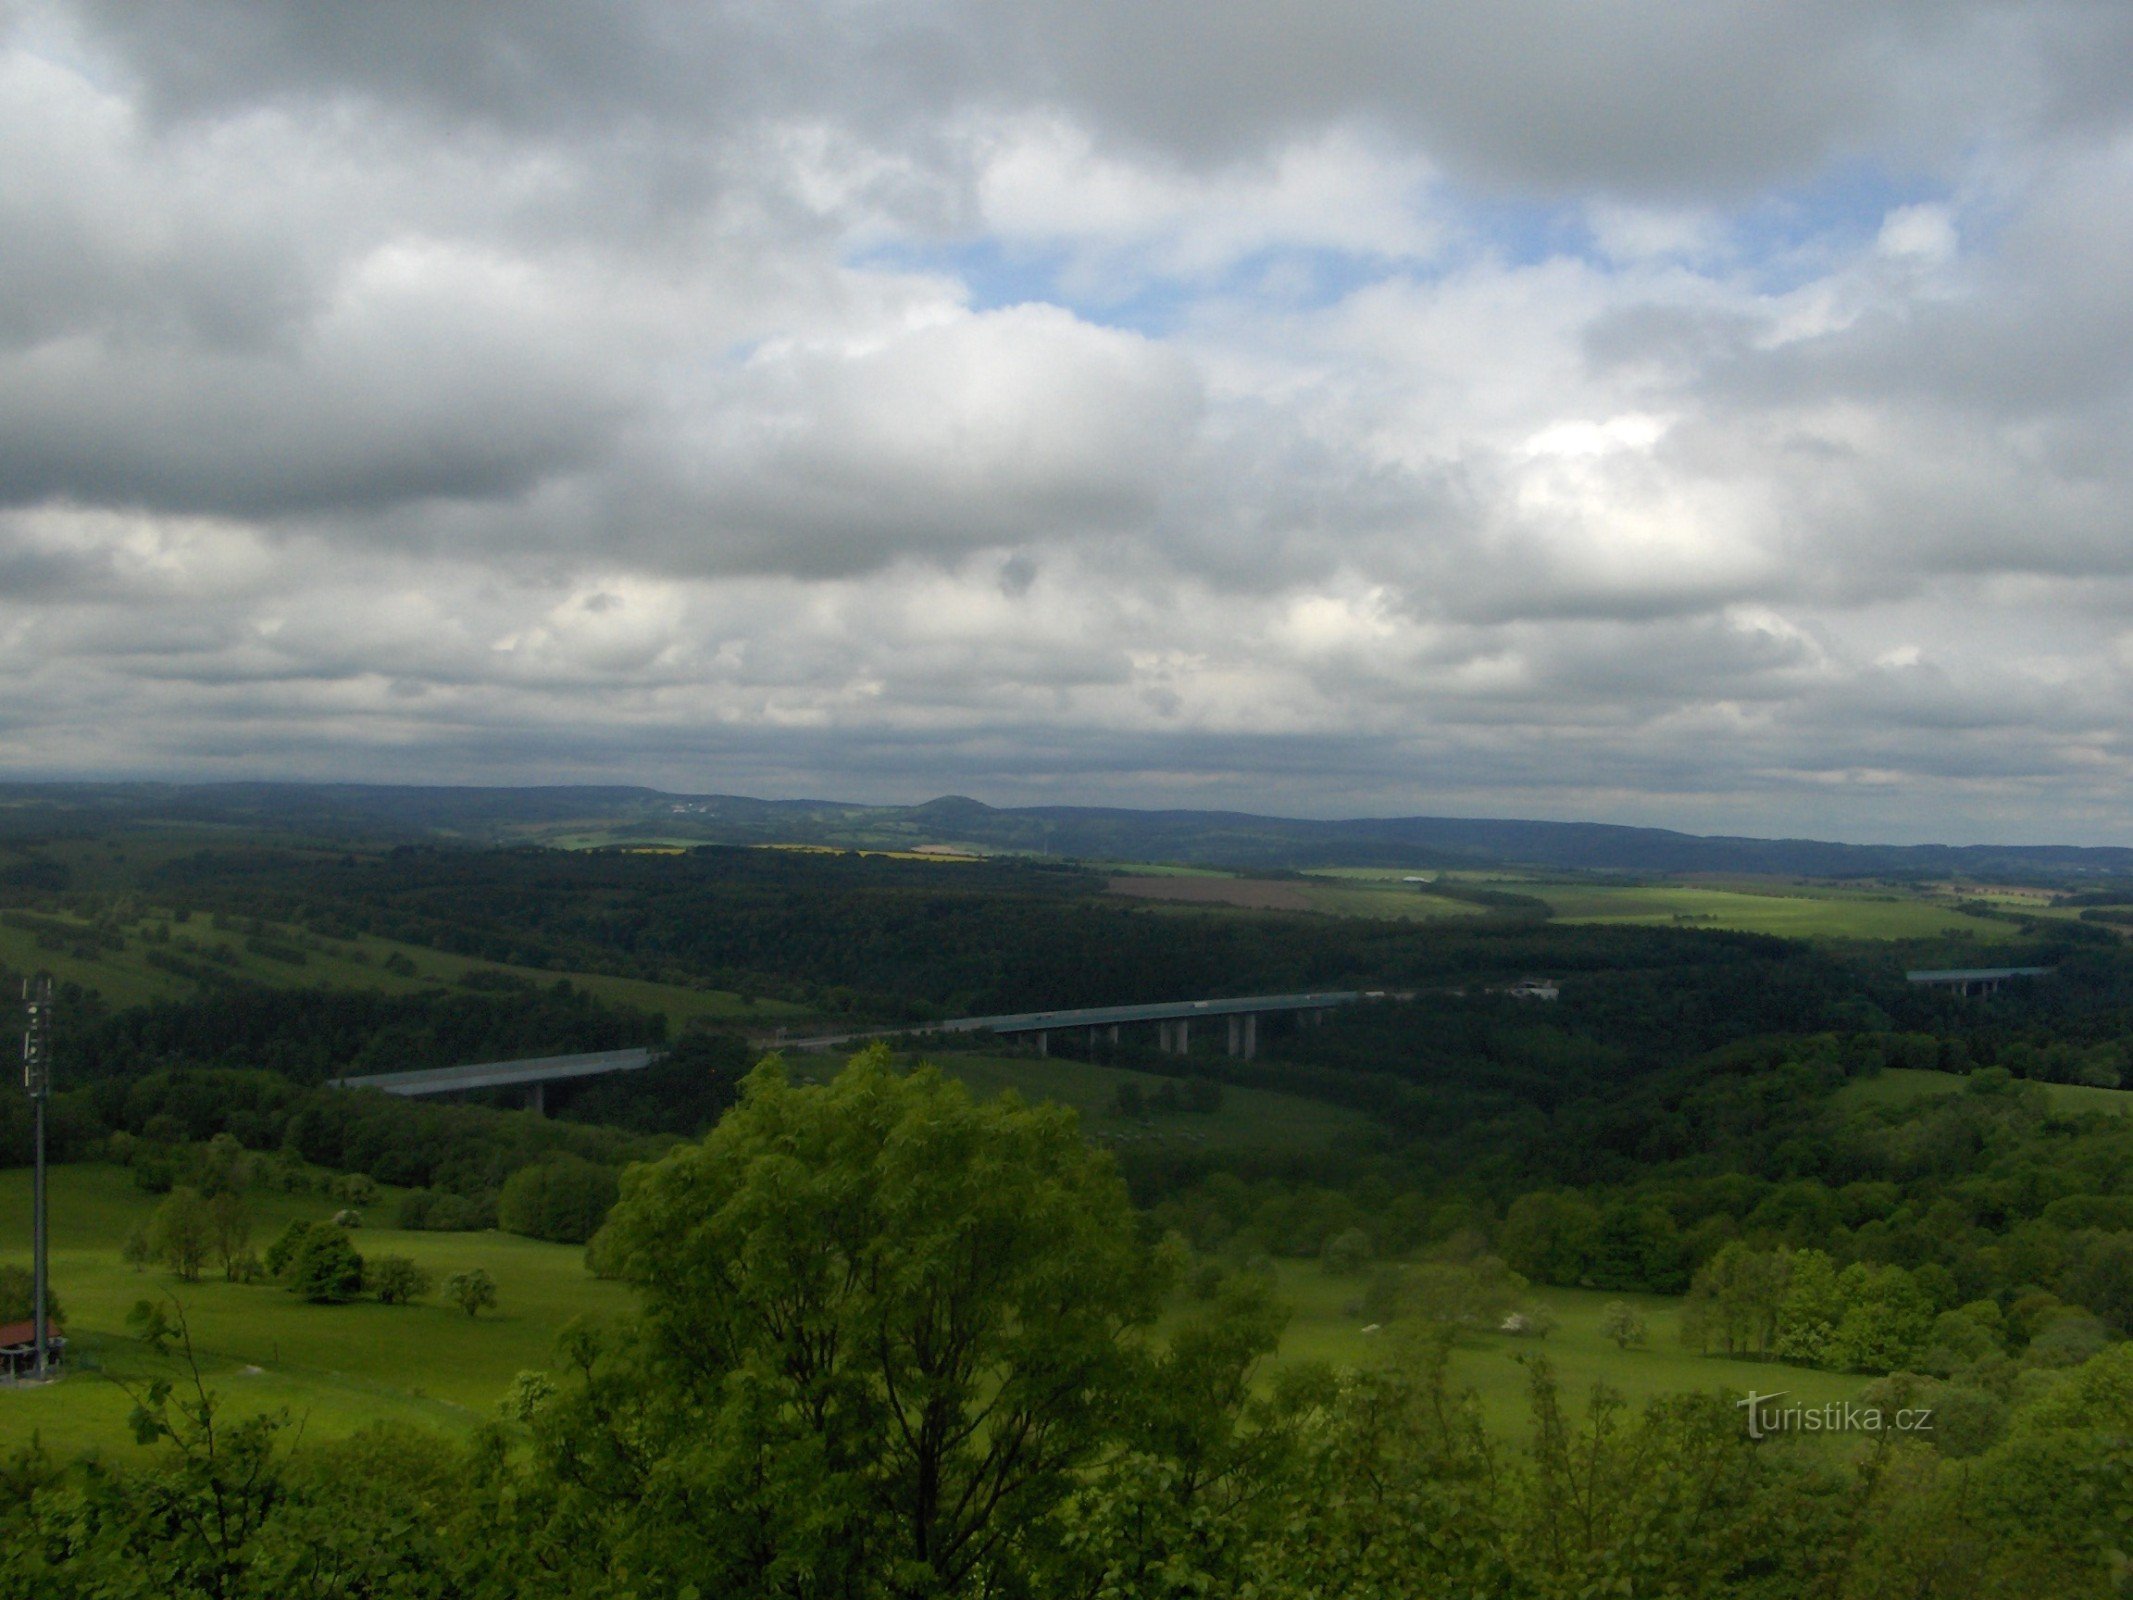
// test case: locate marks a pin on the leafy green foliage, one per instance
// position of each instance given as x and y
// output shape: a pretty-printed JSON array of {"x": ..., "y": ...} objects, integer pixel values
[
  {"x": 182, "y": 1232},
  {"x": 472, "y": 1291},
  {"x": 885, "y": 1327},
  {"x": 1623, "y": 1323},
  {"x": 326, "y": 1268},
  {"x": 18, "y": 1295},
  {"x": 397, "y": 1280},
  {"x": 562, "y": 1198}
]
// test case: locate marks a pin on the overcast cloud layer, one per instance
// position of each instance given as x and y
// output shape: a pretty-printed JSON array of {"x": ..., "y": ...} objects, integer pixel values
[{"x": 1698, "y": 412}]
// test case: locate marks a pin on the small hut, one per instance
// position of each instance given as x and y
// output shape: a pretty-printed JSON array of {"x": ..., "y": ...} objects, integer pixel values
[{"x": 18, "y": 1348}]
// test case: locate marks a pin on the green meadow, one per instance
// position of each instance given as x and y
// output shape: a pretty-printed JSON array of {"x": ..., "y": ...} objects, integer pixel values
[
  {"x": 1325, "y": 1326},
  {"x": 335, "y": 1368},
  {"x": 1388, "y": 898},
  {"x": 128, "y": 976},
  {"x": 1902, "y": 1086},
  {"x": 1795, "y": 912}
]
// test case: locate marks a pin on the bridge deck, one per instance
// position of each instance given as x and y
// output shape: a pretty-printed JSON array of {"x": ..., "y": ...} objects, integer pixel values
[
  {"x": 503, "y": 1074},
  {"x": 1163, "y": 1011},
  {"x": 553, "y": 1069}
]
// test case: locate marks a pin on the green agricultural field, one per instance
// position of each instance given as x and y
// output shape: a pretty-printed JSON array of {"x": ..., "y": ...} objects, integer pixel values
[
  {"x": 127, "y": 976},
  {"x": 1899, "y": 1086},
  {"x": 1249, "y": 1118},
  {"x": 1393, "y": 899},
  {"x": 1793, "y": 911},
  {"x": 1324, "y": 1327},
  {"x": 334, "y": 1367}
]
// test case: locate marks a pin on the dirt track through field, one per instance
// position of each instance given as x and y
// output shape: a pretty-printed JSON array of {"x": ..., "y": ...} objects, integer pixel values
[{"x": 1255, "y": 894}]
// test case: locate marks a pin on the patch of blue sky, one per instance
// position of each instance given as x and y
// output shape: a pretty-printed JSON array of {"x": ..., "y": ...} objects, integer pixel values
[
  {"x": 1791, "y": 237},
  {"x": 1134, "y": 289},
  {"x": 1513, "y": 231},
  {"x": 1776, "y": 241}
]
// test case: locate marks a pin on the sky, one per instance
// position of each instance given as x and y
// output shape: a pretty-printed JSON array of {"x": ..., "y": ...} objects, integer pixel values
[{"x": 1715, "y": 414}]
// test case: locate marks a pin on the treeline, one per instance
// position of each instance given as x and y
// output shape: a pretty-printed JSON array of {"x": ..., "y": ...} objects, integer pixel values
[
  {"x": 181, "y": 1127},
  {"x": 1744, "y": 1168},
  {"x": 308, "y": 1035}
]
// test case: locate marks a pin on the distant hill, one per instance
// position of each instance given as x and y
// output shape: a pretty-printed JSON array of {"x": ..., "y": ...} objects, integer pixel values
[{"x": 1203, "y": 838}]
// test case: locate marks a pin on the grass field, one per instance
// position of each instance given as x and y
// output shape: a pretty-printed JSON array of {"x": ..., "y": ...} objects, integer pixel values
[
  {"x": 1334, "y": 894},
  {"x": 1795, "y": 912},
  {"x": 1904, "y": 1086},
  {"x": 1323, "y": 1328},
  {"x": 1249, "y": 1118},
  {"x": 128, "y": 977},
  {"x": 335, "y": 1368}
]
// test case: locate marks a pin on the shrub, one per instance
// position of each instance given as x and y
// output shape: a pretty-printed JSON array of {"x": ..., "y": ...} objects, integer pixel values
[
  {"x": 181, "y": 1233},
  {"x": 137, "y": 1251},
  {"x": 602, "y": 1259},
  {"x": 398, "y": 1280},
  {"x": 473, "y": 1291},
  {"x": 564, "y": 1198},
  {"x": 282, "y": 1252},
  {"x": 1623, "y": 1323},
  {"x": 355, "y": 1189},
  {"x": 326, "y": 1269},
  {"x": 1347, "y": 1253},
  {"x": 229, "y": 1217},
  {"x": 441, "y": 1211},
  {"x": 18, "y": 1296},
  {"x": 529, "y": 1393}
]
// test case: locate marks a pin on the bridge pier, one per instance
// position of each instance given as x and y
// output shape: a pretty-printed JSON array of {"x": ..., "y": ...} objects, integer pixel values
[
  {"x": 1244, "y": 1034},
  {"x": 1174, "y": 1038},
  {"x": 1044, "y": 1041},
  {"x": 537, "y": 1099}
]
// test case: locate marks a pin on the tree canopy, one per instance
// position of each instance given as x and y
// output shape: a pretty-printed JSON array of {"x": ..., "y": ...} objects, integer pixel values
[{"x": 884, "y": 1327}]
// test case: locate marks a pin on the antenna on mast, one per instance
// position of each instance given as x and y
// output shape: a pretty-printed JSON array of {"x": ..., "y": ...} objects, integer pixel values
[{"x": 37, "y": 1079}]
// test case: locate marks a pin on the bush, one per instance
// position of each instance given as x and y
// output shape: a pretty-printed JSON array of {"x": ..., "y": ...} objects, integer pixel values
[
  {"x": 355, "y": 1189},
  {"x": 137, "y": 1251},
  {"x": 326, "y": 1269},
  {"x": 441, "y": 1211},
  {"x": 181, "y": 1233},
  {"x": 1347, "y": 1253},
  {"x": 528, "y": 1396},
  {"x": 398, "y": 1280},
  {"x": 1623, "y": 1323},
  {"x": 18, "y": 1296},
  {"x": 473, "y": 1291},
  {"x": 282, "y": 1252},
  {"x": 564, "y": 1198},
  {"x": 601, "y": 1257}
]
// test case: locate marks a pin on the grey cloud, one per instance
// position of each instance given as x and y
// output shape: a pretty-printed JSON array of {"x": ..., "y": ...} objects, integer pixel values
[
  {"x": 1683, "y": 97},
  {"x": 554, "y": 413}
]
